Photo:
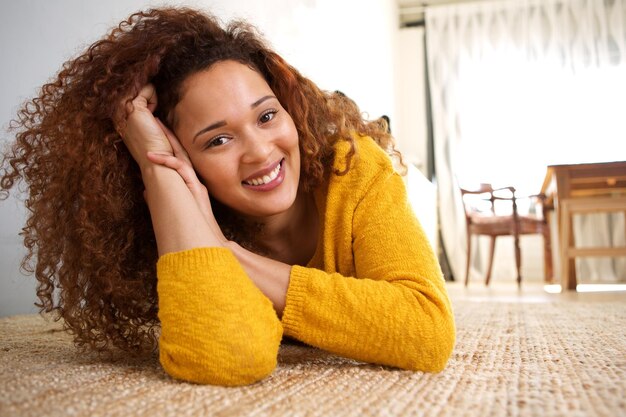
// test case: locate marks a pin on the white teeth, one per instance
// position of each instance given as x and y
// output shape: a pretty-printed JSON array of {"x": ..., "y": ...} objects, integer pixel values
[{"x": 266, "y": 178}]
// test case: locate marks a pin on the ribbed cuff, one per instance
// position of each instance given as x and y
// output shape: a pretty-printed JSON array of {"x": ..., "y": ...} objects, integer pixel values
[{"x": 294, "y": 304}]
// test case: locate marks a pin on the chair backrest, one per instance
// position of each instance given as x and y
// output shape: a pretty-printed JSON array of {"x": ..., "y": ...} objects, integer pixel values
[{"x": 489, "y": 198}]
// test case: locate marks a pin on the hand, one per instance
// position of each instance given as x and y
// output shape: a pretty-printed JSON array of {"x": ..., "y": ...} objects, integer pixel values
[
  {"x": 179, "y": 161},
  {"x": 139, "y": 128}
]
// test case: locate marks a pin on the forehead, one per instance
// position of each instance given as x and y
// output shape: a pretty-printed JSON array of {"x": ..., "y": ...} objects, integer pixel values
[
  {"x": 224, "y": 89},
  {"x": 229, "y": 77}
]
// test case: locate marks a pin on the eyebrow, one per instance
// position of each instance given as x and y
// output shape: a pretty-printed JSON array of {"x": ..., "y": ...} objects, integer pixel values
[
  {"x": 222, "y": 123},
  {"x": 261, "y": 100}
]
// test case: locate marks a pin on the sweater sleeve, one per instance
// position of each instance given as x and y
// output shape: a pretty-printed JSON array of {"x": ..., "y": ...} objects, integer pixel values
[
  {"x": 395, "y": 310},
  {"x": 216, "y": 326}
]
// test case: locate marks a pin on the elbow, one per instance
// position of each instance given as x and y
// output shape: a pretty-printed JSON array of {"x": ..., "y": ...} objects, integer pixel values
[
  {"x": 433, "y": 348},
  {"x": 439, "y": 354},
  {"x": 229, "y": 366}
]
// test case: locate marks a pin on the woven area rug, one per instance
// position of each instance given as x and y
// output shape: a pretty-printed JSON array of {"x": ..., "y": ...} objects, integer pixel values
[{"x": 511, "y": 359}]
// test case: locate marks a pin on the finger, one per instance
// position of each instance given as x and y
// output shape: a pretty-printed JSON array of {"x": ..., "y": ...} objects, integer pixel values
[
  {"x": 201, "y": 196},
  {"x": 148, "y": 96},
  {"x": 177, "y": 147},
  {"x": 183, "y": 168},
  {"x": 169, "y": 161},
  {"x": 145, "y": 98}
]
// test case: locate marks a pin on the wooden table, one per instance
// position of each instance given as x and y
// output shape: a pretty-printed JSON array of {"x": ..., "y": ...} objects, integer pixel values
[{"x": 583, "y": 188}]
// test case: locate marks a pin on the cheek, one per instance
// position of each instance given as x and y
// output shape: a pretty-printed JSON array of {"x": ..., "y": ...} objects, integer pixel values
[
  {"x": 291, "y": 134},
  {"x": 209, "y": 177},
  {"x": 219, "y": 175},
  {"x": 204, "y": 171},
  {"x": 216, "y": 188}
]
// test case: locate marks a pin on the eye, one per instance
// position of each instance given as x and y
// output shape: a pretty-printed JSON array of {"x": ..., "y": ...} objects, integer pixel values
[
  {"x": 217, "y": 141},
  {"x": 267, "y": 116}
]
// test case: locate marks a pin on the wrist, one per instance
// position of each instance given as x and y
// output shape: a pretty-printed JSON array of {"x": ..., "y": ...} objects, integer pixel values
[
  {"x": 148, "y": 167},
  {"x": 148, "y": 170}
]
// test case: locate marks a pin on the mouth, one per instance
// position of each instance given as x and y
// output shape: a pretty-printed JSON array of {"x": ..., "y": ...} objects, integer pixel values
[{"x": 267, "y": 180}]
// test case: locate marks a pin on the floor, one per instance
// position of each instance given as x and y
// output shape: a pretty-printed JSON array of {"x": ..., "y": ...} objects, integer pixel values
[{"x": 534, "y": 292}]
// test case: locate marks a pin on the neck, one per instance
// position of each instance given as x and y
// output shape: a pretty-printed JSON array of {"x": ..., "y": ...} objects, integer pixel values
[{"x": 284, "y": 231}]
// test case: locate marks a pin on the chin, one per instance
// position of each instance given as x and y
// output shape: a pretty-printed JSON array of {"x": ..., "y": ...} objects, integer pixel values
[
  {"x": 269, "y": 208},
  {"x": 262, "y": 212}
]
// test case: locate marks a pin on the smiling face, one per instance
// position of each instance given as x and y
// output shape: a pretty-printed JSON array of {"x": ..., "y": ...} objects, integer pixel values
[{"x": 242, "y": 143}]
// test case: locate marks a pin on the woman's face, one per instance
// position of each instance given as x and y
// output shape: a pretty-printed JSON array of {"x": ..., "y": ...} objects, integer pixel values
[{"x": 242, "y": 143}]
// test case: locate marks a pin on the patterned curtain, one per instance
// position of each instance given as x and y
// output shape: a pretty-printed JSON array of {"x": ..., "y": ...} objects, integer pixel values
[{"x": 517, "y": 85}]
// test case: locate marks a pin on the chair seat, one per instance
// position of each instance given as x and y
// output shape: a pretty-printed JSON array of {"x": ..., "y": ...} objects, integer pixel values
[{"x": 503, "y": 225}]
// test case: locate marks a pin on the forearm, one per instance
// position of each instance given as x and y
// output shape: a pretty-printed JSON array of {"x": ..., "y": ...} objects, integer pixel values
[
  {"x": 270, "y": 276},
  {"x": 403, "y": 323},
  {"x": 217, "y": 327},
  {"x": 383, "y": 301},
  {"x": 176, "y": 218}
]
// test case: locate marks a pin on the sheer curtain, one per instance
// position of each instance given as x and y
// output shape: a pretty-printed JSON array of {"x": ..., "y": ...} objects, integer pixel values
[{"x": 517, "y": 85}]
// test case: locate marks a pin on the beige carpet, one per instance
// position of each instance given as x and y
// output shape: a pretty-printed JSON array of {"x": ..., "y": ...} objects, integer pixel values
[{"x": 511, "y": 359}]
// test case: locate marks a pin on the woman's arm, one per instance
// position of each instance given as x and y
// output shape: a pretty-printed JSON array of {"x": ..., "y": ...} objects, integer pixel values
[
  {"x": 391, "y": 306},
  {"x": 217, "y": 327},
  {"x": 177, "y": 221},
  {"x": 270, "y": 276}
]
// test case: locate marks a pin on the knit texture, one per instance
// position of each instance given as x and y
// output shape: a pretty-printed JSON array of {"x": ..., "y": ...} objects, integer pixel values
[
  {"x": 372, "y": 292},
  {"x": 217, "y": 326}
]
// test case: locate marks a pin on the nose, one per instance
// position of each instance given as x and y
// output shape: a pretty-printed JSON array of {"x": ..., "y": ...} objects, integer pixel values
[{"x": 258, "y": 147}]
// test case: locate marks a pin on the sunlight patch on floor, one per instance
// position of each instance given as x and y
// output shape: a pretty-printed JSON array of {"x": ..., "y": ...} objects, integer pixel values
[
  {"x": 600, "y": 287},
  {"x": 556, "y": 288},
  {"x": 552, "y": 288}
]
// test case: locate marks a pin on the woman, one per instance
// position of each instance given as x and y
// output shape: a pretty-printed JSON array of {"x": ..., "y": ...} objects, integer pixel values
[{"x": 267, "y": 206}]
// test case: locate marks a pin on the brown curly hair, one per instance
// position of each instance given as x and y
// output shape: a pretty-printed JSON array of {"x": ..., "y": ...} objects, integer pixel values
[{"x": 88, "y": 233}]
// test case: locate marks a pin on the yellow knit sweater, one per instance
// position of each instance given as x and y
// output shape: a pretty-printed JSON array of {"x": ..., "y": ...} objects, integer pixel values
[{"x": 373, "y": 291}]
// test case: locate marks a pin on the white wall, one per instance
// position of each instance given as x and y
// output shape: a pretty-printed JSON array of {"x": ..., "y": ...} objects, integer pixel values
[
  {"x": 343, "y": 45},
  {"x": 410, "y": 128}
]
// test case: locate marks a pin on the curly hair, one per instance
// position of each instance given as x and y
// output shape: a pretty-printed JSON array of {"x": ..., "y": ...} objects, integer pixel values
[{"x": 88, "y": 234}]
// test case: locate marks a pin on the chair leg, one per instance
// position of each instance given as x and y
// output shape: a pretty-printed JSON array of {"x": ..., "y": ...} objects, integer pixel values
[
  {"x": 518, "y": 260},
  {"x": 467, "y": 264},
  {"x": 490, "y": 264}
]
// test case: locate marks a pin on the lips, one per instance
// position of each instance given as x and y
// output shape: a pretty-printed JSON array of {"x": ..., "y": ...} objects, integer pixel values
[
  {"x": 264, "y": 176},
  {"x": 266, "y": 179}
]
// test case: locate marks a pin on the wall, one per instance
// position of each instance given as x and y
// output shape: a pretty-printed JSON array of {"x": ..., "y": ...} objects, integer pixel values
[
  {"x": 347, "y": 46},
  {"x": 410, "y": 127}
]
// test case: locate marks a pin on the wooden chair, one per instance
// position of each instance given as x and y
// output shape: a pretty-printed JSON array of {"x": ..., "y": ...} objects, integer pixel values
[{"x": 487, "y": 222}]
